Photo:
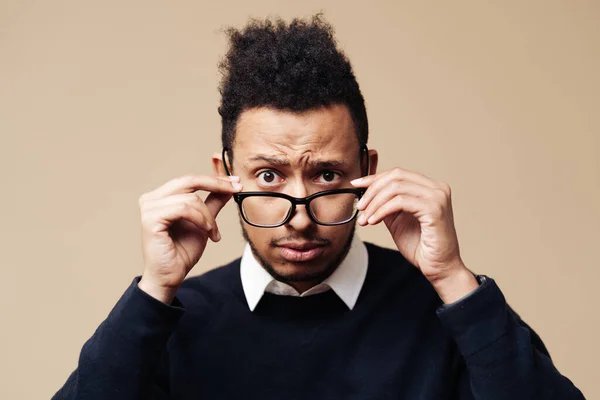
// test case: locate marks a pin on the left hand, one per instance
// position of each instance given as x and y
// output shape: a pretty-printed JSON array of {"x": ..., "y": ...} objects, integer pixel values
[{"x": 417, "y": 211}]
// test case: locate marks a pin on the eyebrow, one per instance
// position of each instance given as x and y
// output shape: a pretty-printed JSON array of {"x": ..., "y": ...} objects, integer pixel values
[{"x": 284, "y": 162}]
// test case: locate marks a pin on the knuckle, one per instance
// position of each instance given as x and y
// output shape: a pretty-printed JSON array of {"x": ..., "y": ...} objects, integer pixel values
[
  {"x": 187, "y": 178},
  {"x": 396, "y": 185},
  {"x": 437, "y": 210},
  {"x": 193, "y": 198},
  {"x": 142, "y": 199},
  {"x": 440, "y": 196},
  {"x": 445, "y": 188},
  {"x": 182, "y": 208},
  {"x": 147, "y": 222}
]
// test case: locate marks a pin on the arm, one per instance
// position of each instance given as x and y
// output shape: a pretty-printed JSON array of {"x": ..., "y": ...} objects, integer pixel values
[
  {"x": 505, "y": 358},
  {"x": 121, "y": 359}
]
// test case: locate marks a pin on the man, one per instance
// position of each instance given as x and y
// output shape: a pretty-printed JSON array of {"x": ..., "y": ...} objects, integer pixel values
[{"x": 309, "y": 311}]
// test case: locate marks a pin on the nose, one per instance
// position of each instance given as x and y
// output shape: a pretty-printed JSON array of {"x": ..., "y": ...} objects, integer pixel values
[{"x": 300, "y": 221}]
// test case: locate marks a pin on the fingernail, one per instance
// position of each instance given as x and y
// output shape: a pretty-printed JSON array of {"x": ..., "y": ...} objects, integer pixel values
[
  {"x": 234, "y": 178},
  {"x": 361, "y": 219},
  {"x": 355, "y": 181},
  {"x": 237, "y": 185},
  {"x": 371, "y": 219}
]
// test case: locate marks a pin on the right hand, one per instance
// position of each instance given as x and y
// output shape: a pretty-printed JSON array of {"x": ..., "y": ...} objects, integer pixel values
[{"x": 176, "y": 225}]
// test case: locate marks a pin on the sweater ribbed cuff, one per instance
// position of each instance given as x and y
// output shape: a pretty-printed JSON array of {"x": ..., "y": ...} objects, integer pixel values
[
  {"x": 137, "y": 314},
  {"x": 478, "y": 320}
]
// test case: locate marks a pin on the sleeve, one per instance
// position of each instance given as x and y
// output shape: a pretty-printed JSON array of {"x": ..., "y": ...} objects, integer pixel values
[
  {"x": 120, "y": 360},
  {"x": 504, "y": 357}
]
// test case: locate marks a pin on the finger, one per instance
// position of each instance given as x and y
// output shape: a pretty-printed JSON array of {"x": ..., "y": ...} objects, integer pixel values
[
  {"x": 397, "y": 173},
  {"x": 191, "y": 199},
  {"x": 191, "y": 183},
  {"x": 412, "y": 205},
  {"x": 215, "y": 235},
  {"x": 374, "y": 202},
  {"x": 386, "y": 181},
  {"x": 216, "y": 201},
  {"x": 163, "y": 218},
  {"x": 228, "y": 178}
]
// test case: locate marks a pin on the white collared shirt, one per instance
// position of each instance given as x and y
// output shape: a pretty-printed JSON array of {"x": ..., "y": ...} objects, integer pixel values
[{"x": 346, "y": 281}]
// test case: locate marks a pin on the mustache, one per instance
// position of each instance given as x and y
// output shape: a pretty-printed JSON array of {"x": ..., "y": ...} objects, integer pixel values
[{"x": 297, "y": 238}]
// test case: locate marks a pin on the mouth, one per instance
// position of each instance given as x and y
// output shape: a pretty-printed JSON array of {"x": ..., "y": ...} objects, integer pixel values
[{"x": 300, "y": 251}]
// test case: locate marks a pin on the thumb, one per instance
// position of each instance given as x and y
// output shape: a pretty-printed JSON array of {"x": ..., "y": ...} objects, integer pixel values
[{"x": 216, "y": 201}]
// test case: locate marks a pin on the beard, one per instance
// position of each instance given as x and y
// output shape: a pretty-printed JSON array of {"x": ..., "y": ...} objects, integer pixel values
[{"x": 316, "y": 276}]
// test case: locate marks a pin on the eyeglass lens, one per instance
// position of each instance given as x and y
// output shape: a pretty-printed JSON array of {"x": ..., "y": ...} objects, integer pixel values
[{"x": 328, "y": 209}]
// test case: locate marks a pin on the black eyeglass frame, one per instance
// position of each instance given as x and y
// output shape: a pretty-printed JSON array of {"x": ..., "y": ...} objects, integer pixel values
[
  {"x": 294, "y": 201},
  {"x": 239, "y": 197}
]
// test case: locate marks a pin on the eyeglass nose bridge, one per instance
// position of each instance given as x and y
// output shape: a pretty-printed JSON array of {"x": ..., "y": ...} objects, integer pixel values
[
  {"x": 301, "y": 200},
  {"x": 294, "y": 201}
]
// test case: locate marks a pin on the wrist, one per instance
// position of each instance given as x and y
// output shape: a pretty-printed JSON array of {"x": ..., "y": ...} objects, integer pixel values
[
  {"x": 455, "y": 285},
  {"x": 162, "y": 294}
]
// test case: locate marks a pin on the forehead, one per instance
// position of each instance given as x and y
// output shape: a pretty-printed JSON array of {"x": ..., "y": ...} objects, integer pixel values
[{"x": 324, "y": 132}]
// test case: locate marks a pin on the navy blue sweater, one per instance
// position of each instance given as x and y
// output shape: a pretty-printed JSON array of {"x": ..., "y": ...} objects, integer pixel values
[{"x": 399, "y": 342}]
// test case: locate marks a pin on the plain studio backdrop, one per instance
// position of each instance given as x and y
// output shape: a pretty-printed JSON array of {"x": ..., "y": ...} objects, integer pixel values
[{"x": 103, "y": 101}]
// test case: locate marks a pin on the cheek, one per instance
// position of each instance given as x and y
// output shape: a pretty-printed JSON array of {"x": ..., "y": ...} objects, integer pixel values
[
  {"x": 337, "y": 235},
  {"x": 260, "y": 237}
]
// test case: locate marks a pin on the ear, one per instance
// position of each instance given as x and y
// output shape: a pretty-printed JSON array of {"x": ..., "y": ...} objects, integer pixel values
[
  {"x": 373, "y": 158},
  {"x": 217, "y": 163}
]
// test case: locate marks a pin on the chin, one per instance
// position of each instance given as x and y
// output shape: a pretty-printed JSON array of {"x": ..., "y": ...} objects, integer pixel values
[
  {"x": 296, "y": 260},
  {"x": 299, "y": 272}
]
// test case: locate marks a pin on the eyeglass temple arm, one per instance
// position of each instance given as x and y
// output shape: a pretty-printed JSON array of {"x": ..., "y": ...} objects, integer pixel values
[
  {"x": 225, "y": 161},
  {"x": 364, "y": 149}
]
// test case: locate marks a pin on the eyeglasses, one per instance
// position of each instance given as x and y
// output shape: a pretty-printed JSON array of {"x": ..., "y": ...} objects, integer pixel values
[{"x": 270, "y": 210}]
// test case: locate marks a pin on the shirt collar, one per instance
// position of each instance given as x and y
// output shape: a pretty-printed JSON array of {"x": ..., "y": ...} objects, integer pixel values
[{"x": 346, "y": 281}]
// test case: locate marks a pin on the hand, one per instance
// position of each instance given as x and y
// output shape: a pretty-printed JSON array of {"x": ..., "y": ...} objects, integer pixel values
[
  {"x": 176, "y": 225},
  {"x": 417, "y": 211}
]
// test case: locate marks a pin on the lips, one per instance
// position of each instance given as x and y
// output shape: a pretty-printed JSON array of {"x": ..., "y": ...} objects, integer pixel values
[
  {"x": 300, "y": 252},
  {"x": 301, "y": 246}
]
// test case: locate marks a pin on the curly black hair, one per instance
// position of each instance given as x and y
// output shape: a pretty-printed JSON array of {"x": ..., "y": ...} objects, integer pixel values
[{"x": 295, "y": 66}]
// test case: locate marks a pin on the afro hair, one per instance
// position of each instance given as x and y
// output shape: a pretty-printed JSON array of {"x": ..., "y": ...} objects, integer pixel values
[{"x": 294, "y": 66}]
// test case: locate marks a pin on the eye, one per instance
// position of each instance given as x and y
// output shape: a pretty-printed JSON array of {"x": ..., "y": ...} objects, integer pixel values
[
  {"x": 329, "y": 176},
  {"x": 268, "y": 177}
]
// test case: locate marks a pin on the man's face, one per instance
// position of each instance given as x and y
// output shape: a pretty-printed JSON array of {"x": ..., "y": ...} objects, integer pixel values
[{"x": 297, "y": 154}]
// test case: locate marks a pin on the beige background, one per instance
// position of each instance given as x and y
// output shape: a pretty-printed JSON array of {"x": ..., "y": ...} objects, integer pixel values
[{"x": 102, "y": 101}]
